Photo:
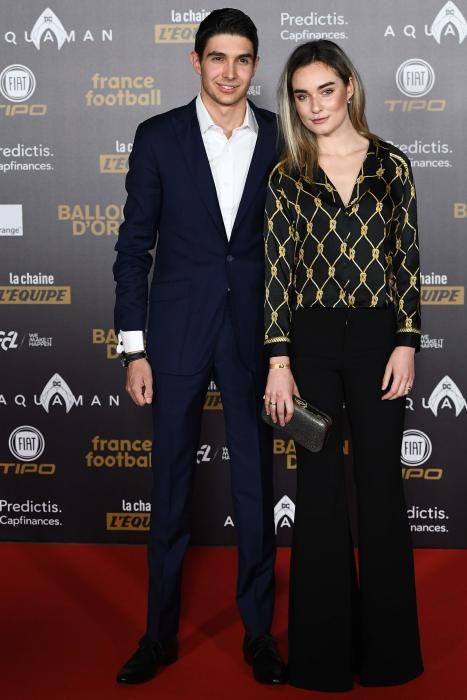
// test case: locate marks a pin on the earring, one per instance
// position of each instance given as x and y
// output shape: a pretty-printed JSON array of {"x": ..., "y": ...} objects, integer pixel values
[{"x": 348, "y": 101}]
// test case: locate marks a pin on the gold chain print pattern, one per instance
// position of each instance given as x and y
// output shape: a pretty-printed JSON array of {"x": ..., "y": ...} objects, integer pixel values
[{"x": 322, "y": 253}]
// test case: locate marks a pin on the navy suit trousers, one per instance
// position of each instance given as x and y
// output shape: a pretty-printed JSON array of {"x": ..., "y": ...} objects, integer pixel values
[{"x": 177, "y": 410}]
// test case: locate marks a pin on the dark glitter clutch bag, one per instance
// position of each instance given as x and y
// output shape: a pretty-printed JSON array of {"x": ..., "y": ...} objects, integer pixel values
[{"x": 308, "y": 426}]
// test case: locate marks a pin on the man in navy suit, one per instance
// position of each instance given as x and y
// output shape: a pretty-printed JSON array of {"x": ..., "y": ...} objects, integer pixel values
[{"x": 196, "y": 188}]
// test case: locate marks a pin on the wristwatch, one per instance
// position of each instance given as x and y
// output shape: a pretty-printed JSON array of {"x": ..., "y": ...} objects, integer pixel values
[{"x": 127, "y": 357}]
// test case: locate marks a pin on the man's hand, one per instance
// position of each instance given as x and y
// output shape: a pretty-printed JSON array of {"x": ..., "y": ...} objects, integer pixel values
[
  {"x": 139, "y": 382},
  {"x": 401, "y": 368}
]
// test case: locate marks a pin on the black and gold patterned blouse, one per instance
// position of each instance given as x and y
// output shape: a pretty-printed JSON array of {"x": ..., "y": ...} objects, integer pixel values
[{"x": 322, "y": 253}]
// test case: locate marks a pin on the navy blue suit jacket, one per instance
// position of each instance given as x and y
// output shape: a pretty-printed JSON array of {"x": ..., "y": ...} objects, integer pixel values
[{"x": 172, "y": 206}]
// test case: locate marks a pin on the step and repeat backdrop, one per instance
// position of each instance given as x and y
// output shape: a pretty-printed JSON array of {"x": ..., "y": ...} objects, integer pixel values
[{"x": 75, "y": 80}]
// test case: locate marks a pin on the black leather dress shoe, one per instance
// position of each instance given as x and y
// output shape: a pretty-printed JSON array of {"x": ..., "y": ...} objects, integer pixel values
[
  {"x": 147, "y": 659},
  {"x": 262, "y": 655}
]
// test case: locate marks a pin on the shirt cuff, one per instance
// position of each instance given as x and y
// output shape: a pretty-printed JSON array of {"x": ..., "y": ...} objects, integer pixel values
[
  {"x": 410, "y": 340},
  {"x": 278, "y": 349},
  {"x": 130, "y": 341}
]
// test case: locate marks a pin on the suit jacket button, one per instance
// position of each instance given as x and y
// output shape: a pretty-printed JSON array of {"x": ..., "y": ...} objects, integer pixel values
[{"x": 229, "y": 258}]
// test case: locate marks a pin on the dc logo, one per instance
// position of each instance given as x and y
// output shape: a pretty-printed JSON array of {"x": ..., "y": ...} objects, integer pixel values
[
  {"x": 446, "y": 394},
  {"x": 284, "y": 513}
]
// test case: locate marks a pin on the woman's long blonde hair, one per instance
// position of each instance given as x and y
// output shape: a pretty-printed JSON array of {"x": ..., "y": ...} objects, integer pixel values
[{"x": 300, "y": 148}]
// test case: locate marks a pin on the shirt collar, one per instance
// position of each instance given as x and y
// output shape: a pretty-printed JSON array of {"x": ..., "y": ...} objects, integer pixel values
[
  {"x": 206, "y": 122},
  {"x": 371, "y": 166}
]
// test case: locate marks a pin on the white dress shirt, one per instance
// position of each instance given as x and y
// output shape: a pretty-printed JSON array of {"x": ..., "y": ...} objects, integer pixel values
[{"x": 229, "y": 159}]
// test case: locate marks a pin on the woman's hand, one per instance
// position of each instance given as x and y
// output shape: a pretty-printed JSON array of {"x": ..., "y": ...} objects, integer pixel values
[
  {"x": 401, "y": 368},
  {"x": 280, "y": 388}
]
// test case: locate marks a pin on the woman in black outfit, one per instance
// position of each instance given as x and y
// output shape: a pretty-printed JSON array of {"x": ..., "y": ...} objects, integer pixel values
[{"x": 342, "y": 327}]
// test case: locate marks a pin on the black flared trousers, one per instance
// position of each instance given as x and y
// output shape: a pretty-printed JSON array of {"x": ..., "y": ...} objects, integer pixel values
[{"x": 342, "y": 625}]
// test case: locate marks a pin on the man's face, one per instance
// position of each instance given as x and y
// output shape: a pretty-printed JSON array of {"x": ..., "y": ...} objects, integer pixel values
[{"x": 226, "y": 69}]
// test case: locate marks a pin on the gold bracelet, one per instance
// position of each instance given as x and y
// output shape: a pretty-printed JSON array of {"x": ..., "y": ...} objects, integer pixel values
[{"x": 279, "y": 365}]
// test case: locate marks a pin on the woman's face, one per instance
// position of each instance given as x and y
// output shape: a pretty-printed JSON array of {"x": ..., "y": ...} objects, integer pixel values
[{"x": 320, "y": 97}]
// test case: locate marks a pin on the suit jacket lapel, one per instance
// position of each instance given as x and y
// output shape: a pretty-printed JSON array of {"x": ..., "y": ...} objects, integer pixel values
[
  {"x": 189, "y": 134},
  {"x": 263, "y": 157}
]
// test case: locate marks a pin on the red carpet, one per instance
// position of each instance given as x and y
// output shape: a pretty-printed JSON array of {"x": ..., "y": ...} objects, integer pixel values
[{"x": 71, "y": 614}]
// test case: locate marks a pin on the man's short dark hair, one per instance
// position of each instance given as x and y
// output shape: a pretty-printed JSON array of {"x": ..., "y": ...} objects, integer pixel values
[{"x": 226, "y": 21}]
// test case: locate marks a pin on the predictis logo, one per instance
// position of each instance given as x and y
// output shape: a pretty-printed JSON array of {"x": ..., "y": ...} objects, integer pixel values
[
  {"x": 314, "y": 25},
  {"x": 22, "y": 157}
]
